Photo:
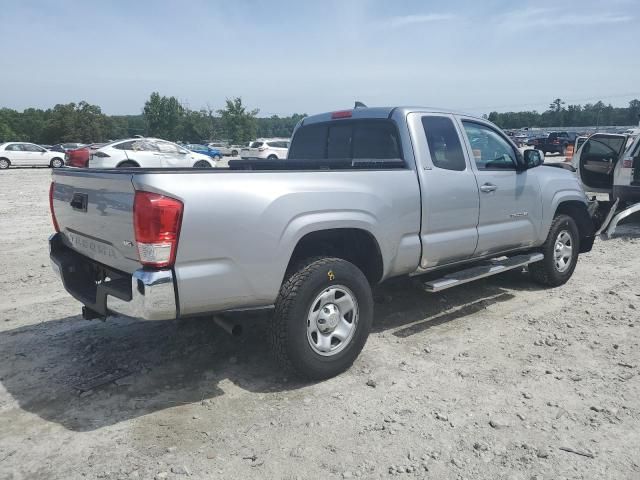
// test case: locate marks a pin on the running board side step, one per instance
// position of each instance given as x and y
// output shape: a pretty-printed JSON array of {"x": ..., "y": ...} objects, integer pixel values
[{"x": 493, "y": 267}]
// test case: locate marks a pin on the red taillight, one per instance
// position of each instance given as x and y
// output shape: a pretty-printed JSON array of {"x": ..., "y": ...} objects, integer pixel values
[
  {"x": 342, "y": 114},
  {"x": 53, "y": 213},
  {"x": 156, "y": 221},
  {"x": 556, "y": 142},
  {"x": 628, "y": 163}
]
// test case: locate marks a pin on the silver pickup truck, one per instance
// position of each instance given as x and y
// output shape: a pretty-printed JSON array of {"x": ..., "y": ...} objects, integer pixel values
[{"x": 365, "y": 195}]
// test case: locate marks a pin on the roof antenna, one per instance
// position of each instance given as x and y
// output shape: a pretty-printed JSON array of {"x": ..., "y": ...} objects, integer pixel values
[{"x": 359, "y": 105}]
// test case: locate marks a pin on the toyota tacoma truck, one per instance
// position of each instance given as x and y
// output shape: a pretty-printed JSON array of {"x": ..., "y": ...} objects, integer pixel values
[{"x": 365, "y": 195}]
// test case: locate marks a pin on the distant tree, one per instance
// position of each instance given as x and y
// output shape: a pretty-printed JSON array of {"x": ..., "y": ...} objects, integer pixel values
[
  {"x": 72, "y": 122},
  {"x": 163, "y": 116},
  {"x": 239, "y": 125},
  {"x": 556, "y": 105}
]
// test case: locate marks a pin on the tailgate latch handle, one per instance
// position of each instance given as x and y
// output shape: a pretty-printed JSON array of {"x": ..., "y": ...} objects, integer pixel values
[{"x": 79, "y": 202}]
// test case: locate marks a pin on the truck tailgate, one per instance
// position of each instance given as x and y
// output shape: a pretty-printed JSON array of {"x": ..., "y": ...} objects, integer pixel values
[{"x": 94, "y": 211}]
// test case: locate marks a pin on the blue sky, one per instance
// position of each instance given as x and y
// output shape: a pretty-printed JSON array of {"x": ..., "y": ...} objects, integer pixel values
[{"x": 311, "y": 56}]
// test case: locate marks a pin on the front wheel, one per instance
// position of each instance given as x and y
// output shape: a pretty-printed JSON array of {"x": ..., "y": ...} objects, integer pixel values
[
  {"x": 202, "y": 164},
  {"x": 234, "y": 153},
  {"x": 322, "y": 318},
  {"x": 4, "y": 163},
  {"x": 560, "y": 253},
  {"x": 56, "y": 163}
]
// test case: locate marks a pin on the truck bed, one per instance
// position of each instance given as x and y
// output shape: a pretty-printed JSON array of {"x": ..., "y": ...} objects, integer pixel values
[{"x": 239, "y": 228}]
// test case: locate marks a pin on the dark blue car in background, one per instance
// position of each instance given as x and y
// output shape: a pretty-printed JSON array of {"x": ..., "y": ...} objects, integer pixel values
[{"x": 204, "y": 150}]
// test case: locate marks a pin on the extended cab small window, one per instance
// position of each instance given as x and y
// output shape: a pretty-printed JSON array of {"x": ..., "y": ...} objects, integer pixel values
[
  {"x": 444, "y": 143},
  {"x": 490, "y": 150}
]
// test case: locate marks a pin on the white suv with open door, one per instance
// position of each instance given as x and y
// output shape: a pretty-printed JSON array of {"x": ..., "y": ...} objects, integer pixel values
[
  {"x": 147, "y": 153},
  {"x": 266, "y": 148},
  {"x": 22, "y": 154},
  {"x": 610, "y": 163}
]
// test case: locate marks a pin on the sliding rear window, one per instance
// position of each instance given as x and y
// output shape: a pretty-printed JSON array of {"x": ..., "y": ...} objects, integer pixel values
[{"x": 348, "y": 140}]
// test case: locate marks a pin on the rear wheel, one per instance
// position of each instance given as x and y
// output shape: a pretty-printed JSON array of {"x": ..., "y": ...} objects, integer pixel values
[
  {"x": 560, "y": 253},
  {"x": 234, "y": 153},
  {"x": 272, "y": 157},
  {"x": 202, "y": 164},
  {"x": 322, "y": 319},
  {"x": 4, "y": 163},
  {"x": 56, "y": 163}
]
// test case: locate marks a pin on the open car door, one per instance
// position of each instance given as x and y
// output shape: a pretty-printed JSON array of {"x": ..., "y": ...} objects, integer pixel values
[{"x": 596, "y": 160}]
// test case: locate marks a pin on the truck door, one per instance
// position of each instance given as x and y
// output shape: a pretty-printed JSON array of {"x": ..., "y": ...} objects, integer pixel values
[
  {"x": 596, "y": 161},
  {"x": 449, "y": 192},
  {"x": 510, "y": 202}
]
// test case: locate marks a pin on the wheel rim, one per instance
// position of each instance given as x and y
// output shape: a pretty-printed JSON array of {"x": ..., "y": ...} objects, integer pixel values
[
  {"x": 332, "y": 320},
  {"x": 57, "y": 163},
  {"x": 563, "y": 251},
  {"x": 4, "y": 164}
]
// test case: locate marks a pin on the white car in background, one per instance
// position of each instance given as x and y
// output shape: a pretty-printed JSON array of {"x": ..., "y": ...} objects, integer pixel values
[
  {"x": 23, "y": 154},
  {"x": 225, "y": 149},
  {"x": 147, "y": 153},
  {"x": 266, "y": 148}
]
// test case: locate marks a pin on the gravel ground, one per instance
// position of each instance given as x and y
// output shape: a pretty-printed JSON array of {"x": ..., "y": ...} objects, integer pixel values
[{"x": 496, "y": 379}]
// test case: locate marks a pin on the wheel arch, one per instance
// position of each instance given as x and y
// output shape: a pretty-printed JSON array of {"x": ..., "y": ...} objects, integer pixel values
[
  {"x": 127, "y": 161},
  {"x": 355, "y": 245},
  {"x": 579, "y": 212}
]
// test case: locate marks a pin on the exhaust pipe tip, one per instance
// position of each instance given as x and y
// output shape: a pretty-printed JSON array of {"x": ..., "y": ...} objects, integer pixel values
[{"x": 232, "y": 328}]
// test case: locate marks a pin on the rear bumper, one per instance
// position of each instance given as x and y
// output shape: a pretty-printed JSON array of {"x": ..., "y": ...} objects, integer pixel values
[{"x": 144, "y": 294}]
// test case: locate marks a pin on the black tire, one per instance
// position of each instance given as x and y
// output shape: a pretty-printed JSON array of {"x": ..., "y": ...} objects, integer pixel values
[
  {"x": 4, "y": 163},
  {"x": 56, "y": 163},
  {"x": 546, "y": 272},
  {"x": 288, "y": 325},
  {"x": 202, "y": 164},
  {"x": 234, "y": 153},
  {"x": 272, "y": 157},
  {"x": 128, "y": 164}
]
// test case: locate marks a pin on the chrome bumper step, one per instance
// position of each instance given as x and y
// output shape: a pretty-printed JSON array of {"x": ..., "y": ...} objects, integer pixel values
[{"x": 493, "y": 267}]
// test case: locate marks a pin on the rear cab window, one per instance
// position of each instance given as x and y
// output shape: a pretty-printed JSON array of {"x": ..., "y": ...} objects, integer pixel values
[{"x": 355, "y": 141}]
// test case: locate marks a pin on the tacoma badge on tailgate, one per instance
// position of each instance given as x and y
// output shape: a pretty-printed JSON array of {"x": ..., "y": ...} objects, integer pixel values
[{"x": 98, "y": 248}]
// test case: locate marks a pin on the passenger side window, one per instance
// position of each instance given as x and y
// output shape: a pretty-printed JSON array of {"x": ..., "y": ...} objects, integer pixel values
[
  {"x": 125, "y": 145},
  {"x": 166, "y": 147},
  {"x": 490, "y": 150},
  {"x": 32, "y": 148},
  {"x": 444, "y": 143}
]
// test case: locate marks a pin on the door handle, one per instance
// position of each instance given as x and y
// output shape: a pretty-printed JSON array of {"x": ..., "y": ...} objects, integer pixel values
[{"x": 488, "y": 188}]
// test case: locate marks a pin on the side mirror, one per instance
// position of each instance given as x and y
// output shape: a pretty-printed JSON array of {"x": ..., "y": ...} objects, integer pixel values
[
  {"x": 533, "y": 158},
  {"x": 183, "y": 152}
]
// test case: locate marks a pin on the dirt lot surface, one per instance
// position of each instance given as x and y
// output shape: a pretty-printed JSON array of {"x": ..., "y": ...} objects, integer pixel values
[{"x": 497, "y": 379}]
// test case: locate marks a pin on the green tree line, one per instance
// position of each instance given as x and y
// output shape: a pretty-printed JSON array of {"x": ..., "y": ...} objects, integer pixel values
[
  {"x": 162, "y": 116},
  {"x": 559, "y": 114}
]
